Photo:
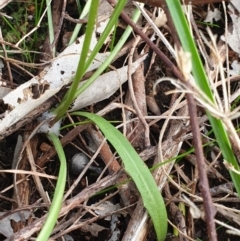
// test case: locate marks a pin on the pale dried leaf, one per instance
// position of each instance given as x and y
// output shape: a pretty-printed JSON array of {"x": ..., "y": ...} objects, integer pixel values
[
  {"x": 114, "y": 228},
  {"x": 33, "y": 93},
  {"x": 93, "y": 228},
  {"x": 5, "y": 224},
  {"x": 214, "y": 15},
  {"x": 105, "y": 86},
  {"x": 233, "y": 38},
  {"x": 106, "y": 208},
  {"x": 161, "y": 18},
  {"x": 3, "y": 3},
  {"x": 236, "y": 4},
  {"x": 104, "y": 12},
  {"x": 194, "y": 210},
  {"x": 235, "y": 68}
]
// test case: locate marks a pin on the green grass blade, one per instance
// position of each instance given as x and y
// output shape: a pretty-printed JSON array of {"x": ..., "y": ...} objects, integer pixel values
[
  {"x": 112, "y": 22},
  {"x": 77, "y": 28},
  {"x": 62, "y": 108},
  {"x": 85, "y": 62},
  {"x": 50, "y": 25},
  {"x": 58, "y": 194},
  {"x": 202, "y": 81},
  {"x": 189, "y": 46},
  {"x": 138, "y": 171},
  {"x": 110, "y": 58}
]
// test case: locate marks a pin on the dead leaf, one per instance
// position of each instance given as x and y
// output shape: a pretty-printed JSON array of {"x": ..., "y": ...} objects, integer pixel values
[
  {"x": 93, "y": 228},
  {"x": 3, "y": 3},
  {"x": 5, "y": 224},
  {"x": 233, "y": 38},
  {"x": 213, "y": 15}
]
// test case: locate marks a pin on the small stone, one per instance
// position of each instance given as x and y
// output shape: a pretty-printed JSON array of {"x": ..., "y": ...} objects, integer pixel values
[{"x": 79, "y": 162}]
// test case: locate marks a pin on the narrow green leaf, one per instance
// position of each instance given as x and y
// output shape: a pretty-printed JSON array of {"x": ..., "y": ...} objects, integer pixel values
[
  {"x": 116, "y": 49},
  {"x": 68, "y": 98},
  {"x": 58, "y": 193},
  {"x": 112, "y": 22},
  {"x": 202, "y": 81},
  {"x": 138, "y": 171}
]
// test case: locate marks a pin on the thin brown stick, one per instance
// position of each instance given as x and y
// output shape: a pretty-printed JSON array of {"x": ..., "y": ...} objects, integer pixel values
[
  {"x": 58, "y": 19},
  {"x": 7, "y": 63},
  {"x": 160, "y": 3},
  {"x": 203, "y": 181},
  {"x": 77, "y": 21},
  {"x": 136, "y": 85},
  {"x": 177, "y": 215},
  {"x": 155, "y": 48}
]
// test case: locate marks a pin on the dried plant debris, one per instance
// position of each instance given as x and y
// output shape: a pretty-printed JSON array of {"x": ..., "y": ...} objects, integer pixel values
[
  {"x": 233, "y": 38},
  {"x": 101, "y": 202},
  {"x": 214, "y": 15},
  {"x": 5, "y": 223}
]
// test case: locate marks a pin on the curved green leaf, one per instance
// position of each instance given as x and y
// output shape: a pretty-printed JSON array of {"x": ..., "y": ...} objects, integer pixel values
[
  {"x": 58, "y": 193},
  {"x": 138, "y": 171}
]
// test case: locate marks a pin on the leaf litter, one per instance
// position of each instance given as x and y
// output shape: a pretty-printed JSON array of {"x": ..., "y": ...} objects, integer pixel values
[{"x": 57, "y": 74}]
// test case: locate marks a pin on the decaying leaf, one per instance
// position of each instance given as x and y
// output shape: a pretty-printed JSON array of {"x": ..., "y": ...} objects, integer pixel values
[
  {"x": 3, "y": 3},
  {"x": 106, "y": 85},
  {"x": 5, "y": 224},
  {"x": 235, "y": 68},
  {"x": 36, "y": 91},
  {"x": 93, "y": 228},
  {"x": 106, "y": 208},
  {"x": 213, "y": 15},
  {"x": 233, "y": 38},
  {"x": 236, "y": 4}
]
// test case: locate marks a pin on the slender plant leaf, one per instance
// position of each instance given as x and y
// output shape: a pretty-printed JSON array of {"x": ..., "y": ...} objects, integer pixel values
[
  {"x": 58, "y": 193},
  {"x": 62, "y": 108},
  {"x": 85, "y": 61},
  {"x": 112, "y": 22},
  {"x": 202, "y": 81},
  {"x": 50, "y": 25},
  {"x": 138, "y": 171}
]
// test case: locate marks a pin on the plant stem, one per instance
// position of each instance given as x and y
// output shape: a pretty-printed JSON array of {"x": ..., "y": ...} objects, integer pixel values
[{"x": 210, "y": 210}]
